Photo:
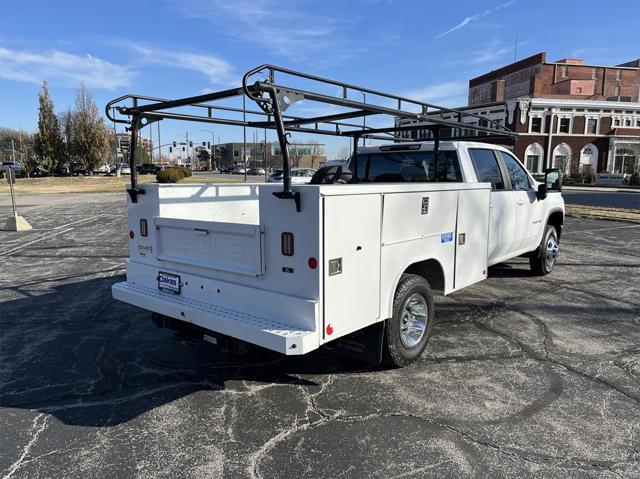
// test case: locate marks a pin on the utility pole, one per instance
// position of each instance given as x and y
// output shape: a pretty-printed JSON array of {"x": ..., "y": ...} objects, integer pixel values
[
  {"x": 13, "y": 152},
  {"x": 151, "y": 142},
  {"x": 244, "y": 136},
  {"x": 188, "y": 153},
  {"x": 264, "y": 152},
  {"x": 115, "y": 137},
  {"x": 159, "y": 145}
]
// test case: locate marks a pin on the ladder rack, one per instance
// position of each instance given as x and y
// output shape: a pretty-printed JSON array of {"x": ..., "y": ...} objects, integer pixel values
[{"x": 269, "y": 87}]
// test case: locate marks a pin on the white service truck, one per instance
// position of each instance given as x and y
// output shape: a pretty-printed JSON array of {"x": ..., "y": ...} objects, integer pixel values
[{"x": 357, "y": 257}]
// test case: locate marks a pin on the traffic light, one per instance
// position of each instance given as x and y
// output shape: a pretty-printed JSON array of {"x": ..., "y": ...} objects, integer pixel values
[
  {"x": 191, "y": 144},
  {"x": 183, "y": 148},
  {"x": 204, "y": 143},
  {"x": 171, "y": 148},
  {"x": 208, "y": 145},
  {"x": 174, "y": 144}
]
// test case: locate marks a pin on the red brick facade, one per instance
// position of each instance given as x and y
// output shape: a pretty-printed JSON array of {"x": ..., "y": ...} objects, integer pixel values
[{"x": 567, "y": 78}]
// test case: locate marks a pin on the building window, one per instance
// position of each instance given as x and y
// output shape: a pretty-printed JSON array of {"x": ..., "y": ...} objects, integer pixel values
[
  {"x": 564, "y": 125},
  {"x": 565, "y": 71},
  {"x": 627, "y": 122},
  {"x": 625, "y": 161},
  {"x": 616, "y": 122},
  {"x": 618, "y": 75},
  {"x": 638, "y": 123},
  {"x": 617, "y": 91},
  {"x": 594, "y": 73},
  {"x": 592, "y": 126},
  {"x": 562, "y": 157},
  {"x": 536, "y": 124},
  {"x": 533, "y": 158}
]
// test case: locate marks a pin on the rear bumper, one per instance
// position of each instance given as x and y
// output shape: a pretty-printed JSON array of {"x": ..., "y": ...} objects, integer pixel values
[{"x": 262, "y": 331}]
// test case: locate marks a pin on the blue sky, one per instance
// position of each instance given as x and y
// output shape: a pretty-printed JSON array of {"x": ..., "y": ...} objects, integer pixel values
[{"x": 173, "y": 48}]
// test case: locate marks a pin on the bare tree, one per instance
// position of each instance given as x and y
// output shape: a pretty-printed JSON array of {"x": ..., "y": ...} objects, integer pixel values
[
  {"x": 89, "y": 138},
  {"x": 343, "y": 153},
  {"x": 295, "y": 154},
  {"x": 315, "y": 151}
]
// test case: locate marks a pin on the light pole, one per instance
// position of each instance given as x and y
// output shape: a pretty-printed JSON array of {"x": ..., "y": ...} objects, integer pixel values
[
  {"x": 213, "y": 147},
  {"x": 364, "y": 119},
  {"x": 244, "y": 136}
]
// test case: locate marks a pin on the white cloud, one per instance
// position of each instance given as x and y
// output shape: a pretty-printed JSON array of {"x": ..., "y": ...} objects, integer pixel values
[
  {"x": 467, "y": 20},
  {"x": 446, "y": 92},
  {"x": 279, "y": 27},
  {"x": 62, "y": 69},
  {"x": 217, "y": 70}
]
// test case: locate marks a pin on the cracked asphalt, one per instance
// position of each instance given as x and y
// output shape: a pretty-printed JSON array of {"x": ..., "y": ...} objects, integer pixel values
[{"x": 523, "y": 377}]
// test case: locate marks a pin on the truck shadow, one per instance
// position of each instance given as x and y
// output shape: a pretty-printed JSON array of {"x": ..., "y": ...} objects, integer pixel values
[{"x": 89, "y": 360}]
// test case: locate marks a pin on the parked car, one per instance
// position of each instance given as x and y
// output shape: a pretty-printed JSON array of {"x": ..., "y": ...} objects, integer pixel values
[
  {"x": 226, "y": 169},
  {"x": 63, "y": 170},
  {"x": 124, "y": 168},
  {"x": 299, "y": 176},
  {"x": 104, "y": 169},
  {"x": 149, "y": 169},
  {"x": 39, "y": 171},
  {"x": 17, "y": 169},
  {"x": 256, "y": 172},
  {"x": 78, "y": 169},
  {"x": 238, "y": 170}
]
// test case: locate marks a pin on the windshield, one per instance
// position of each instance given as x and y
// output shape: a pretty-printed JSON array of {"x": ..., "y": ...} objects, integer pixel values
[{"x": 407, "y": 166}]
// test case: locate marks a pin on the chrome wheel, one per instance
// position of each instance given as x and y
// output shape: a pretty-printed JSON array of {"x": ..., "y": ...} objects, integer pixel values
[
  {"x": 551, "y": 251},
  {"x": 413, "y": 321}
]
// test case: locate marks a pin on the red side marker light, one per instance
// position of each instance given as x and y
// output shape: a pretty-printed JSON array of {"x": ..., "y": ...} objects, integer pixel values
[
  {"x": 329, "y": 330},
  {"x": 313, "y": 263},
  {"x": 131, "y": 234}
]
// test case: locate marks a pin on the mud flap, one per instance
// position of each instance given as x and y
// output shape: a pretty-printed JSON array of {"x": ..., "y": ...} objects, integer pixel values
[{"x": 363, "y": 345}]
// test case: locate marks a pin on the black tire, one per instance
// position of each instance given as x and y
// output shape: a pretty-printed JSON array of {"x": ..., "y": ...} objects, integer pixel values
[
  {"x": 543, "y": 260},
  {"x": 396, "y": 352}
]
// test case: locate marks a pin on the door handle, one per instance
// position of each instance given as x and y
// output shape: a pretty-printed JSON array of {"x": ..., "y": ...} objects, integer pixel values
[{"x": 520, "y": 202}]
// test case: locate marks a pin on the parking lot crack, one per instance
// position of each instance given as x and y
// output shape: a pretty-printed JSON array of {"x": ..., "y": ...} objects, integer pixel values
[{"x": 38, "y": 427}]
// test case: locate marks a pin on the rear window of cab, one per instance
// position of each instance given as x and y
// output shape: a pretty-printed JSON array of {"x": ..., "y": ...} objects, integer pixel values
[{"x": 407, "y": 166}]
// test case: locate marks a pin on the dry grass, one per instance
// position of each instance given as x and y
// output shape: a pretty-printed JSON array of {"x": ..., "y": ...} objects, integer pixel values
[
  {"x": 87, "y": 184},
  {"x": 601, "y": 212}
]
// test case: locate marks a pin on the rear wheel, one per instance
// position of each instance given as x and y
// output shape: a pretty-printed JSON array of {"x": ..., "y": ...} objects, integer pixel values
[
  {"x": 543, "y": 262},
  {"x": 408, "y": 331}
]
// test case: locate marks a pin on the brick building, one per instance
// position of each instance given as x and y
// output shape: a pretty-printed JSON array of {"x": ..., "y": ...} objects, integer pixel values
[
  {"x": 578, "y": 117},
  {"x": 307, "y": 155}
]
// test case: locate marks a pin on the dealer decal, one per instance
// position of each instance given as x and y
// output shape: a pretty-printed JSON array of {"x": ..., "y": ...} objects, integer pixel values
[
  {"x": 144, "y": 250},
  {"x": 446, "y": 237}
]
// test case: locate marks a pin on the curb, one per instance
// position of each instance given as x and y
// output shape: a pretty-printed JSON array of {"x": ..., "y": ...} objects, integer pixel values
[{"x": 601, "y": 213}]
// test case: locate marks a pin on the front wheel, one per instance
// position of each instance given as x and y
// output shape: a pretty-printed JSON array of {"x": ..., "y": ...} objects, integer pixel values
[
  {"x": 543, "y": 262},
  {"x": 408, "y": 331}
]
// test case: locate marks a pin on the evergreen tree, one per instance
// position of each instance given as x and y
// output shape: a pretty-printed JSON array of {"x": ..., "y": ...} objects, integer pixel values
[
  {"x": 89, "y": 140},
  {"x": 48, "y": 143}
]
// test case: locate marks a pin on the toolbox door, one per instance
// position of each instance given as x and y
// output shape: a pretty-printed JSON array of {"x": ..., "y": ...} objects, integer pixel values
[
  {"x": 472, "y": 235},
  {"x": 351, "y": 263}
]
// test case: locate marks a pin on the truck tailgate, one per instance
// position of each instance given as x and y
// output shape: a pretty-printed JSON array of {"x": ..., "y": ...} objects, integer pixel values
[{"x": 231, "y": 247}]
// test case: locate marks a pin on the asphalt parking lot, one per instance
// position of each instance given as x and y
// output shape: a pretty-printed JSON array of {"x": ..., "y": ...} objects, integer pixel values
[{"x": 524, "y": 376}]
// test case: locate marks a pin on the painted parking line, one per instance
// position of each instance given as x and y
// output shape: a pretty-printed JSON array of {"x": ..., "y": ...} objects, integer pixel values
[{"x": 58, "y": 231}]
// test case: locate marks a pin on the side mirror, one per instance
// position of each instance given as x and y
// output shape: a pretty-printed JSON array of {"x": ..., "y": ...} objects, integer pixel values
[
  {"x": 553, "y": 179},
  {"x": 542, "y": 191}
]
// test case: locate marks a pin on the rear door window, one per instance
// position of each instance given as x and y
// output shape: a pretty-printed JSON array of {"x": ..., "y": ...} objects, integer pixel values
[
  {"x": 517, "y": 175},
  {"x": 486, "y": 166}
]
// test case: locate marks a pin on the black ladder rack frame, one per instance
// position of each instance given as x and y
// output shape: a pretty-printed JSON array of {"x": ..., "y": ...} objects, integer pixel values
[{"x": 273, "y": 99}]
